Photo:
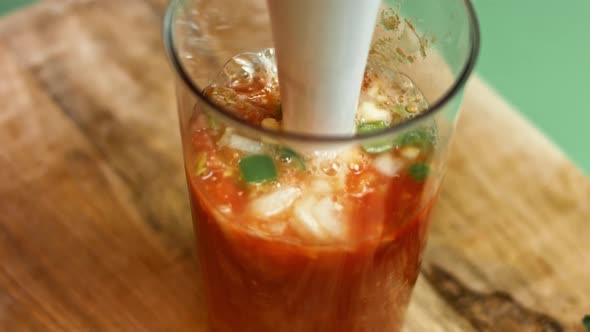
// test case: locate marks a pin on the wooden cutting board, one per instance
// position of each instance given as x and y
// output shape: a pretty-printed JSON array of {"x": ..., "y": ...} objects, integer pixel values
[{"x": 95, "y": 231}]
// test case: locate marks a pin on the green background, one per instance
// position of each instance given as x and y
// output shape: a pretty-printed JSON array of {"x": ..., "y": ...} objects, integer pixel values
[
  {"x": 535, "y": 53},
  {"x": 8, "y": 5}
]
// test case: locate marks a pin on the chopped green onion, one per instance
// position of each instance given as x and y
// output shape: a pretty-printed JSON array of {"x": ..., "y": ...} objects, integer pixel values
[
  {"x": 280, "y": 111},
  {"x": 213, "y": 123},
  {"x": 422, "y": 137},
  {"x": 371, "y": 127},
  {"x": 586, "y": 322},
  {"x": 419, "y": 171},
  {"x": 258, "y": 168},
  {"x": 288, "y": 155},
  {"x": 201, "y": 164}
]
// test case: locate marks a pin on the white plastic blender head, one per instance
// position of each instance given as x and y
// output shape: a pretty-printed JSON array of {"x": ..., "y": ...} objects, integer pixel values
[{"x": 322, "y": 48}]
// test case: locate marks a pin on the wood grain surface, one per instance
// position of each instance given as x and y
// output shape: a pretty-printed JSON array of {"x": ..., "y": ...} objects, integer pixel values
[{"x": 95, "y": 228}]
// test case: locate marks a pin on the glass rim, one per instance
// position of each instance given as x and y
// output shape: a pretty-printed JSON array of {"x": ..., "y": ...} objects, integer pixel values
[{"x": 458, "y": 83}]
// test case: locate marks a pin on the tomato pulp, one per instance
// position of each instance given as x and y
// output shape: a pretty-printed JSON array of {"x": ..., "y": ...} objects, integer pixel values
[
  {"x": 257, "y": 284},
  {"x": 278, "y": 270}
]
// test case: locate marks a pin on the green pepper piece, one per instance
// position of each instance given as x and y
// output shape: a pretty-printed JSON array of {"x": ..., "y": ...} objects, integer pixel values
[
  {"x": 289, "y": 155},
  {"x": 201, "y": 164},
  {"x": 586, "y": 322},
  {"x": 419, "y": 171},
  {"x": 258, "y": 168},
  {"x": 371, "y": 127},
  {"x": 422, "y": 137}
]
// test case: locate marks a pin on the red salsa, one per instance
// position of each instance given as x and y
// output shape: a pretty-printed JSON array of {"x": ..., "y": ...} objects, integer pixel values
[{"x": 297, "y": 241}]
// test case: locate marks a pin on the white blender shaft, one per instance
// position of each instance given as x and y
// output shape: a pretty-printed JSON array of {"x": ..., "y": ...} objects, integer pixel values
[{"x": 321, "y": 48}]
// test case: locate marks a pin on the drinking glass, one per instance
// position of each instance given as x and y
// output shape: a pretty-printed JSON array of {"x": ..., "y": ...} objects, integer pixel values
[{"x": 255, "y": 280}]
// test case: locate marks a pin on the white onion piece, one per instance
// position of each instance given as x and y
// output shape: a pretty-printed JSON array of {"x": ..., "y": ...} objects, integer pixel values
[
  {"x": 275, "y": 202},
  {"x": 387, "y": 165},
  {"x": 328, "y": 214},
  {"x": 373, "y": 91},
  {"x": 225, "y": 209},
  {"x": 321, "y": 186},
  {"x": 241, "y": 143},
  {"x": 245, "y": 144},
  {"x": 277, "y": 228},
  {"x": 304, "y": 222},
  {"x": 369, "y": 112},
  {"x": 319, "y": 219},
  {"x": 410, "y": 152}
]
